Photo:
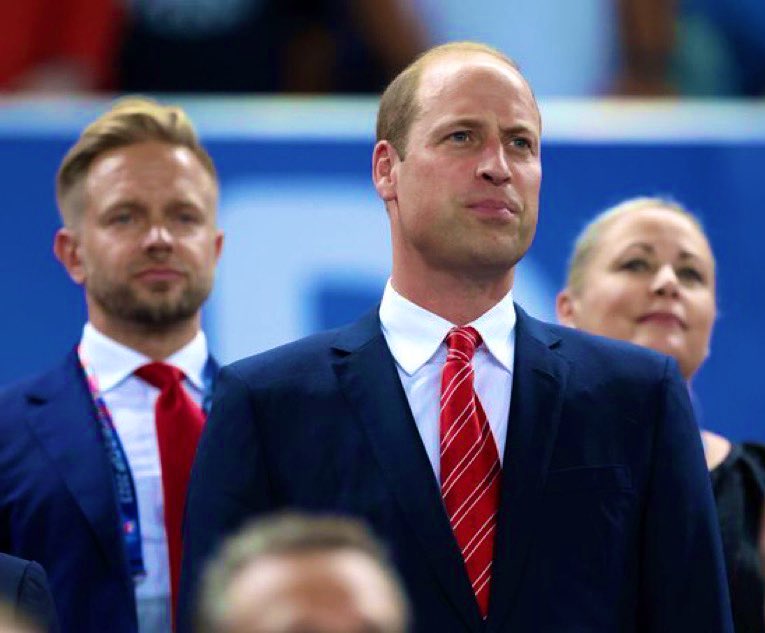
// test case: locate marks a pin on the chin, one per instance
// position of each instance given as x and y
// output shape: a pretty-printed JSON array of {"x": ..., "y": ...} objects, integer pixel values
[{"x": 662, "y": 344}]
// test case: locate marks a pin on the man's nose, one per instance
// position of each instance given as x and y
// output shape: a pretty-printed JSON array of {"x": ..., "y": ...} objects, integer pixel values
[
  {"x": 665, "y": 282},
  {"x": 494, "y": 166},
  {"x": 158, "y": 236}
]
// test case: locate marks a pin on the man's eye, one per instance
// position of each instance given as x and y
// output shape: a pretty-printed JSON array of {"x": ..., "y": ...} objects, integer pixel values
[
  {"x": 461, "y": 136},
  {"x": 122, "y": 218},
  {"x": 522, "y": 143},
  {"x": 187, "y": 214}
]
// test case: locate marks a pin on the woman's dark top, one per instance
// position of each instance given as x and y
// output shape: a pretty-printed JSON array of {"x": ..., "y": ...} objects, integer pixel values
[{"x": 739, "y": 486}]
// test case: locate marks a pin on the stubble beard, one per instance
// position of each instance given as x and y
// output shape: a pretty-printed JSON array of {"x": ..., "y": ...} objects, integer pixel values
[{"x": 160, "y": 312}]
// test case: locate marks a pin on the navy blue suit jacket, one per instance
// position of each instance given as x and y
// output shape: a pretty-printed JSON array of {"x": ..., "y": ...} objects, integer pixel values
[
  {"x": 57, "y": 500},
  {"x": 606, "y": 519}
]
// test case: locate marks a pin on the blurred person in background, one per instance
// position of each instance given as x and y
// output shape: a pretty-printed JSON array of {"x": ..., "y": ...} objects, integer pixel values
[
  {"x": 245, "y": 46},
  {"x": 644, "y": 272},
  {"x": 95, "y": 453},
  {"x": 58, "y": 46},
  {"x": 301, "y": 574},
  {"x": 24, "y": 593},
  {"x": 623, "y": 47},
  {"x": 692, "y": 48},
  {"x": 581, "y": 63}
]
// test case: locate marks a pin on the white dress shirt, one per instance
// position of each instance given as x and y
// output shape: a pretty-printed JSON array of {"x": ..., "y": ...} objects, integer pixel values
[
  {"x": 416, "y": 340},
  {"x": 131, "y": 404}
]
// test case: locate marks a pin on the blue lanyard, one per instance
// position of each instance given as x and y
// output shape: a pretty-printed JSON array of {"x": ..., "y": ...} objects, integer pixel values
[{"x": 124, "y": 486}]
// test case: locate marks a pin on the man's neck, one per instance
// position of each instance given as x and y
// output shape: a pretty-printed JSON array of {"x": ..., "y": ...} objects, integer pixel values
[
  {"x": 458, "y": 299},
  {"x": 157, "y": 344}
]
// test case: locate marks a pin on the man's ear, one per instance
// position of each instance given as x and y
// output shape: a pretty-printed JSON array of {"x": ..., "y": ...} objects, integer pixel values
[
  {"x": 384, "y": 159},
  {"x": 219, "y": 238},
  {"x": 66, "y": 248},
  {"x": 565, "y": 308}
]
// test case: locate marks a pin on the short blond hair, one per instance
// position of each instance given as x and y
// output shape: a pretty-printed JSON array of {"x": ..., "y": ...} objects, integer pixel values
[
  {"x": 398, "y": 104},
  {"x": 589, "y": 239},
  {"x": 129, "y": 121},
  {"x": 290, "y": 534}
]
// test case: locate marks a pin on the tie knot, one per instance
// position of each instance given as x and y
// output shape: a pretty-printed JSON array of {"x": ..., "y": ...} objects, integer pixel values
[
  {"x": 462, "y": 343},
  {"x": 160, "y": 375}
]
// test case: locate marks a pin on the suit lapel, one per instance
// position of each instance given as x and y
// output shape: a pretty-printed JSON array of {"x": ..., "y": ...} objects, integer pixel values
[
  {"x": 62, "y": 417},
  {"x": 367, "y": 375},
  {"x": 539, "y": 378}
]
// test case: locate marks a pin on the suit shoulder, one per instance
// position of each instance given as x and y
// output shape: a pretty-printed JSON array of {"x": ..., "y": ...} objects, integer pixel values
[
  {"x": 12, "y": 569},
  {"x": 596, "y": 355},
  {"x": 16, "y": 394},
  {"x": 306, "y": 355}
]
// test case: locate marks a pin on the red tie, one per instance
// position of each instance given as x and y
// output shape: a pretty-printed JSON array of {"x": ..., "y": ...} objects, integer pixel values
[
  {"x": 469, "y": 463},
  {"x": 179, "y": 423}
]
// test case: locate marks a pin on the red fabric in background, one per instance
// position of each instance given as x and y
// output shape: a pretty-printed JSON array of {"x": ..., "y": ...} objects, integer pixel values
[{"x": 37, "y": 32}]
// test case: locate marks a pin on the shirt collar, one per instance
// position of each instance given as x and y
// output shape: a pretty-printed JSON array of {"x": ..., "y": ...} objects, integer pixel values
[
  {"x": 113, "y": 362},
  {"x": 414, "y": 334}
]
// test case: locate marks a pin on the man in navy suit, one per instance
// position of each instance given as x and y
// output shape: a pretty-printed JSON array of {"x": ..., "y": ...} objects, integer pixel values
[
  {"x": 571, "y": 468},
  {"x": 91, "y": 464}
]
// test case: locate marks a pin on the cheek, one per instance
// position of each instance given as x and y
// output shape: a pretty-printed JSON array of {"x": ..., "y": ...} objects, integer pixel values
[
  {"x": 94, "y": 252},
  {"x": 609, "y": 312},
  {"x": 202, "y": 252},
  {"x": 704, "y": 318},
  {"x": 529, "y": 177}
]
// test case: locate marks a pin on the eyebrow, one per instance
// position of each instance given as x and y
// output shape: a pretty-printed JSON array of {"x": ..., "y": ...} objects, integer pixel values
[
  {"x": 473, "y": 122},
  {"x": 128, "y": 203},
  {"x": 649, "y": 249},
  {"x": 519, "y": 129}
]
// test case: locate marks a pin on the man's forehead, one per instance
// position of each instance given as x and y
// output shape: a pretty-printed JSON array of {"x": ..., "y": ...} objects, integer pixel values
[
  {"x": 149, "y": 164},
  {"x": 444, "y": 75},
  {"x": 135, "y": 156},
  {"x": 442, "y": 69}
]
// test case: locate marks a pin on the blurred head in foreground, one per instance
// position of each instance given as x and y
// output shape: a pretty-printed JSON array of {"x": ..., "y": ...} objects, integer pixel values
[
  {"x": 643, "y": 271},
  {"x": 11, "y": 622},
  {"x": 299, "y": 574}
]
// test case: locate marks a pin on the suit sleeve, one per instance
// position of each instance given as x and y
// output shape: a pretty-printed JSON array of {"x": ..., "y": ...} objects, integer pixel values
[
  {"x": 228, "y": 484},
  {"x": 683, "y": 584},
  {"x": 35, "y": 599}
]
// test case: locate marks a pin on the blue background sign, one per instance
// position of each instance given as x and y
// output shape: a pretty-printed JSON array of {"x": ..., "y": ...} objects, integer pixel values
[{"x": 307, "y": 243}]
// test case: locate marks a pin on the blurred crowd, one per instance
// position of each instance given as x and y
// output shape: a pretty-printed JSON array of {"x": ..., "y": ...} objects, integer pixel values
[{"x": 602, "y": 47}]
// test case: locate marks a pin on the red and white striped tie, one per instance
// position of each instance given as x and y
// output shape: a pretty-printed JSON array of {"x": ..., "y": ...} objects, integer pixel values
[{"x": 470, "y": 465}]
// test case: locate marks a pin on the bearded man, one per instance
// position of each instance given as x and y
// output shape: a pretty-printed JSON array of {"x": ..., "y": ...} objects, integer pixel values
[{"x": 95, "y": 454}]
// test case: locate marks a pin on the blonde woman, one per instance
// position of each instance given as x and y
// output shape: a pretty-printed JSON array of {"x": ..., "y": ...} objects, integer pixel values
[{"x": 643, "y": 271}]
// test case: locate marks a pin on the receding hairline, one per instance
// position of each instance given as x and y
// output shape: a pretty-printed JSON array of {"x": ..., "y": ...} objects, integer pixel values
[
  {"x": 459, "y": 55},
  {"x": 462, "y": 50},
  {"x": 404, "y": 90}
]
